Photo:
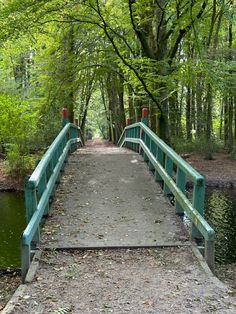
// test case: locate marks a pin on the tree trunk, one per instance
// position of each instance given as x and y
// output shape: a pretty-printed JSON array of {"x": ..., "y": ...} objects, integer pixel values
[
  {"x": 199, "y": 109},
  {"x": 188, "y": 114}
]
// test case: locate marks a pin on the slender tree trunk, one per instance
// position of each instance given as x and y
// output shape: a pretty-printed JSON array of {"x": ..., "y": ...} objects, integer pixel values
[
  {"x": 193, "y": 108},
  {"x": 131, "y": 103},
  {"x": 209, "y": 112},
  {"x": 230, "y": 127},
  {"x": 199, "y": 118},
  {"x": 234, "y": 117},
  {"x": 226, "y": 122},
  {"x": 175, "y": 122},
  {"x": 221, "y": 118},
  {"x": 188, "y": 114}
]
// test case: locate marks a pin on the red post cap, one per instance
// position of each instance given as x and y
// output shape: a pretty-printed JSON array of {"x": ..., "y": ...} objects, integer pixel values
[
  {"x": 128, "y": 121},
  {"x": 65, "y": 113},
  {"x": 145, "y": 112}
]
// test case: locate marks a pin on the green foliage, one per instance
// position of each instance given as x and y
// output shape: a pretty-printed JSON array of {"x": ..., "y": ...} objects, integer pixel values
[
  {"x": 55, "y": 53},
  {"x": 17, "y": 129},
  {"x": 97, "y": 120},
  {"x": 19, "y": 164},
  {"x": 200, "y": 145}
]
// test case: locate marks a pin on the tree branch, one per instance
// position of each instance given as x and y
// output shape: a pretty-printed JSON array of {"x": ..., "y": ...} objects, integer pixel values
[
  {"x": 148, "y": 52},
  {"x": 183, "y": 32},
  {"x": 125, "y": 62}
]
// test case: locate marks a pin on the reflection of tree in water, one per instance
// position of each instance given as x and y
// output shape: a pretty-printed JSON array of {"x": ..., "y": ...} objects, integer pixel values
[{"x": 221, "y": 214}]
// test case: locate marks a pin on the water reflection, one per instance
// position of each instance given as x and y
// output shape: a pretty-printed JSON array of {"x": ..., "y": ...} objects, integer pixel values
[
  {"x": 221, "y": 215},
  {"x": 12, "y": 224}
]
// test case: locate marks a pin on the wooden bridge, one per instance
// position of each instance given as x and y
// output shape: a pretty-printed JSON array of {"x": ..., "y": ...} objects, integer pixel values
[{"x": 112, "y": 241}]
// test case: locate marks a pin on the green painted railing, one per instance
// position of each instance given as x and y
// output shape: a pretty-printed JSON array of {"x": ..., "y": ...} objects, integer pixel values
[
  {"x": 173, "y": 172},
  {"x": 41, "y": 185}
]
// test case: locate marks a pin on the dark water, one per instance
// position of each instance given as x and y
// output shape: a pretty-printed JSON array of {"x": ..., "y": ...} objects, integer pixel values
[
  {"x": 220, "y": 212},
  {"x": 12, "y": 224}
]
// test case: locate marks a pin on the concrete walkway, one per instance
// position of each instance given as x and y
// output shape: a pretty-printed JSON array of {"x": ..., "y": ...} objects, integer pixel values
[{"x": 107, "y": 199}]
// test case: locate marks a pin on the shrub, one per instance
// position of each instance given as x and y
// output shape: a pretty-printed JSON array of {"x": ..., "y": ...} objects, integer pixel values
[{"x": 18, "y": 164}]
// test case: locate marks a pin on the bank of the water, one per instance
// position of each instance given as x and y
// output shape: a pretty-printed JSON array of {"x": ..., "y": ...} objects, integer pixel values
[
  {"x": 12, "y": 224},
  {"x": 7, "y": 182}
]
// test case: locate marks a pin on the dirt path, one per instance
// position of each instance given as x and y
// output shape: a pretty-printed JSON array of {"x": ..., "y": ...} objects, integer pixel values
[
  {"x": 123, "y": 281},
  {"x": 108, "y": 198},
  {"x": 110, "y": 187},
  {"x": 219, "y": 172}
]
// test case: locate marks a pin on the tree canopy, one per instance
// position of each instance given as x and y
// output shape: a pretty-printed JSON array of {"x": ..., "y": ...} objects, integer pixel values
[{"x": 105, "y": 60}]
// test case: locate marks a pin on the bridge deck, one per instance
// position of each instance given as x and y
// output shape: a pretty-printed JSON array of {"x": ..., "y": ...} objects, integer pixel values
[{"x": 108, "y": 198}]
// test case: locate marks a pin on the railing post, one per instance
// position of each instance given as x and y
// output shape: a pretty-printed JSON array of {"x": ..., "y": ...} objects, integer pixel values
[
  {"x": 76, "y": 122},
  {"x": 198, "y": 204},
  {"x": 128, "y": 132},
  {"x": 180, "y": 182},
  {"x": 74, "y": 133},
  {"x": 65, "y": 116},
  {"x": 210, "y": 253},
  {"x": 144, "y": 119},
  {"x": 30, "y": 198},
  {"x": 40, "y": 190},
  {"x": 169, "y": 171},
  {"x": 128, "y": 121},
  {"x": 160, "y": 159},
  {"x": 153, "y": 148},
  {"x": 25, "y": 260},
  {"x": 145, "y": 114}
]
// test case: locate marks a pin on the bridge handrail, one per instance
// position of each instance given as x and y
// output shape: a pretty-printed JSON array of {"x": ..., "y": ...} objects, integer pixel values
[
  {"x": 41, "y": 167},
  {"x": 162, "y": 159},
  {"x": 40, "y": 187},
  {"x": 186, "y": 167}
]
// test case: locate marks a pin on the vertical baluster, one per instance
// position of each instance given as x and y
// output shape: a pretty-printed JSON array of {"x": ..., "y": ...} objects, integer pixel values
[
  {"x": 41, "y": 188},
  {"x": 144, "y": 119},
  {"x": 30, "y": 199},
  {"x": 181, "y": 182},
  {"x": 73, "y": 134},
  {"x": 142, "y": 138},
  {"x": 137, "y": 130},
  {"x": 58, "y": 153},
  {"x": 25, "y": 260},
  {"x": 127, "y": 133},
  {"x": 67, "y": 156},
  {"x": 160, "y": 159},
  {"x": 152, "y": 148},
  {"x": 132, "y": 136},
  {"x": 210, "y": 253},
  {"x": 146, "y": 141},
  {"x": 31, "y": 206},
  {"x": 198, "y": 204},
  {"x": 169, "y": 171},
  {"x": 51, "y": 165}
]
